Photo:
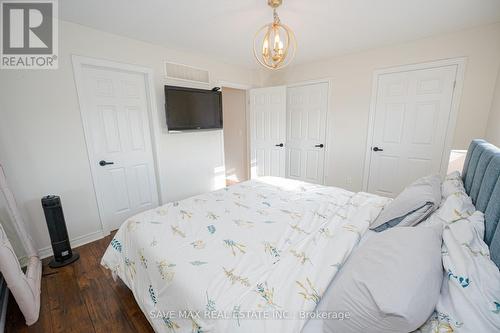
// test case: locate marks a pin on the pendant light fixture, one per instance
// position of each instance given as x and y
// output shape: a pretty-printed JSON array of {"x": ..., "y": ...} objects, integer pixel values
[{"x": 274, "y": 44}]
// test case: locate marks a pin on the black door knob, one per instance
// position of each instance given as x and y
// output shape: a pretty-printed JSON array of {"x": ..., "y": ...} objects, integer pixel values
[
  {"x": 279, "y": 145},
  {"x": 103, "y": 163},
  {"x": 377, "y": 149},
  {"x": 319, "y": 146}
]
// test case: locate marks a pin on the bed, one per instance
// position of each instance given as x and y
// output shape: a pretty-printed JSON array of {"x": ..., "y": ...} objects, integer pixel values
[{"x": 264, "y": 249}]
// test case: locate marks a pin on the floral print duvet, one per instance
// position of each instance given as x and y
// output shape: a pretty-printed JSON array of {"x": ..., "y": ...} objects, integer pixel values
[{"x": 252, "y": 257}]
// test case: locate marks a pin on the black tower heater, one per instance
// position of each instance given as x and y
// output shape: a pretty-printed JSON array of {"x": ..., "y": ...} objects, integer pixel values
[{"x": 63, "y": 255}]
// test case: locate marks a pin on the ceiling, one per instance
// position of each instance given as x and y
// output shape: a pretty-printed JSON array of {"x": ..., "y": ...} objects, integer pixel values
[{"x": 224, "y": 29}]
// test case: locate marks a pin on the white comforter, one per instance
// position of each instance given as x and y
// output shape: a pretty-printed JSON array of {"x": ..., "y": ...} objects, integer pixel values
[{"x": 242, "y": 258}]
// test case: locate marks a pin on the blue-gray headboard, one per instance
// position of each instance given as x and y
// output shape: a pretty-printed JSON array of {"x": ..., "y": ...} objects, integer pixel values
[{"x": 481, "y": 176}]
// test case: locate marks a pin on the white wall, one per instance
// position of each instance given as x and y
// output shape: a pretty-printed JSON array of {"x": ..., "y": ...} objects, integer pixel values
[
  {"x": 42, "y": 144},
  {"x": 352, "y": 83},
  {"x": 493, "y": 130}
]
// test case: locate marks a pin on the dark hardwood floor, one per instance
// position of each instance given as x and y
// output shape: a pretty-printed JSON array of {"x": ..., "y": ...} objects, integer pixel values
[{"x": 82, "y": 297}]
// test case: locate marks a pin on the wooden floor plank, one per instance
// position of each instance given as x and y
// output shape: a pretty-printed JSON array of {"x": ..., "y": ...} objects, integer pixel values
[
  {"x": 102, "y": 304},
  {"x": 44, "y": 323},
  {"x": 82, "y": 297},
  {"x": 68, "y": 311},
  {"x": 15, "y": 319}
]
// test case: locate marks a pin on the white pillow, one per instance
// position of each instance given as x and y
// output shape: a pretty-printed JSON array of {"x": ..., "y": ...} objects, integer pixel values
[
  {"x": 412, "y": 206},
  {"x": 390, "y": 284},
  {"x": 458, "y": 205}
]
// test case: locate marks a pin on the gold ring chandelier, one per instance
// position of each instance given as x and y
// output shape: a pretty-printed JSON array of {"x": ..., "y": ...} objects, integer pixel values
[{"x": 274, "y": 44}]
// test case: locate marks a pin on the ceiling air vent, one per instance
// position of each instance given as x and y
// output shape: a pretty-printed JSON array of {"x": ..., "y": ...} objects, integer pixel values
[{"x": 186, "y": 73}]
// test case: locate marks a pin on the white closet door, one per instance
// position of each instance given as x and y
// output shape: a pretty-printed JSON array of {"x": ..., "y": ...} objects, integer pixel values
[
  {"x": 306, "y": 131},
  {"x": 268, "y": 133},
  {"x": 409, "y": 130}
]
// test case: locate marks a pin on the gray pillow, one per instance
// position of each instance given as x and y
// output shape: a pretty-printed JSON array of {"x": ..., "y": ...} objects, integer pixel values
[
  {"x": 412, "y": 206},
  {"x": 390, "y": 284}
]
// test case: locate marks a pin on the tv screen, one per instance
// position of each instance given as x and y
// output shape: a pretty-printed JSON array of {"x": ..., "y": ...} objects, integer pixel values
[{"x": 188, "y": 108}]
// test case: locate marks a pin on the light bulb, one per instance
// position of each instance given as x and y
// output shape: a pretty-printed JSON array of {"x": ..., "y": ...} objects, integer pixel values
[
  {"x": 277, "y": 40},
  {"x": 265, "y": 47}
]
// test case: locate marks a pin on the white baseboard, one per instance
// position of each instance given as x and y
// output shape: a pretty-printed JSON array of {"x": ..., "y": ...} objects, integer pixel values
[{"x": 75, "y": 242}]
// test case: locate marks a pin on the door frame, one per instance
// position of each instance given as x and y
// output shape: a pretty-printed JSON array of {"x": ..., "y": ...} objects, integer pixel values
[
  {"x": 153, "y": 120},
  {"x": 329, "y": 125},
  {"x": 452, "y": 120}
]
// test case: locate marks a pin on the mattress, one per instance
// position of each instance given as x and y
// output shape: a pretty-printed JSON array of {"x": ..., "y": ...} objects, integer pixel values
[{"x": 253, "y": 257}]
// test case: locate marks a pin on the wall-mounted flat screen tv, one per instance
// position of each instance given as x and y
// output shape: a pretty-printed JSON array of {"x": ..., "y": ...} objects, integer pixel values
[{"x": 192, "y": 109}]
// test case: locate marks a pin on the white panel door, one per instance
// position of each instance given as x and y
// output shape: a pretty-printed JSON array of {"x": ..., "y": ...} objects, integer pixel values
[
  {"x": 115, "y": 111},
  {"x": 306, "y": 130},
  {"x": 268, "y": 131},
  {"x": 412, "y": 112}
]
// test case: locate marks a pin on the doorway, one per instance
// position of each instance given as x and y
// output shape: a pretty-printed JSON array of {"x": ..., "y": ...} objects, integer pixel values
[{"x": 234, "y": 103}]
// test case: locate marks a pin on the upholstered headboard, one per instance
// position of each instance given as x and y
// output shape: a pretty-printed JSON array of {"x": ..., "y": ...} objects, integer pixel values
[{"x": 481, "y": 176}]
